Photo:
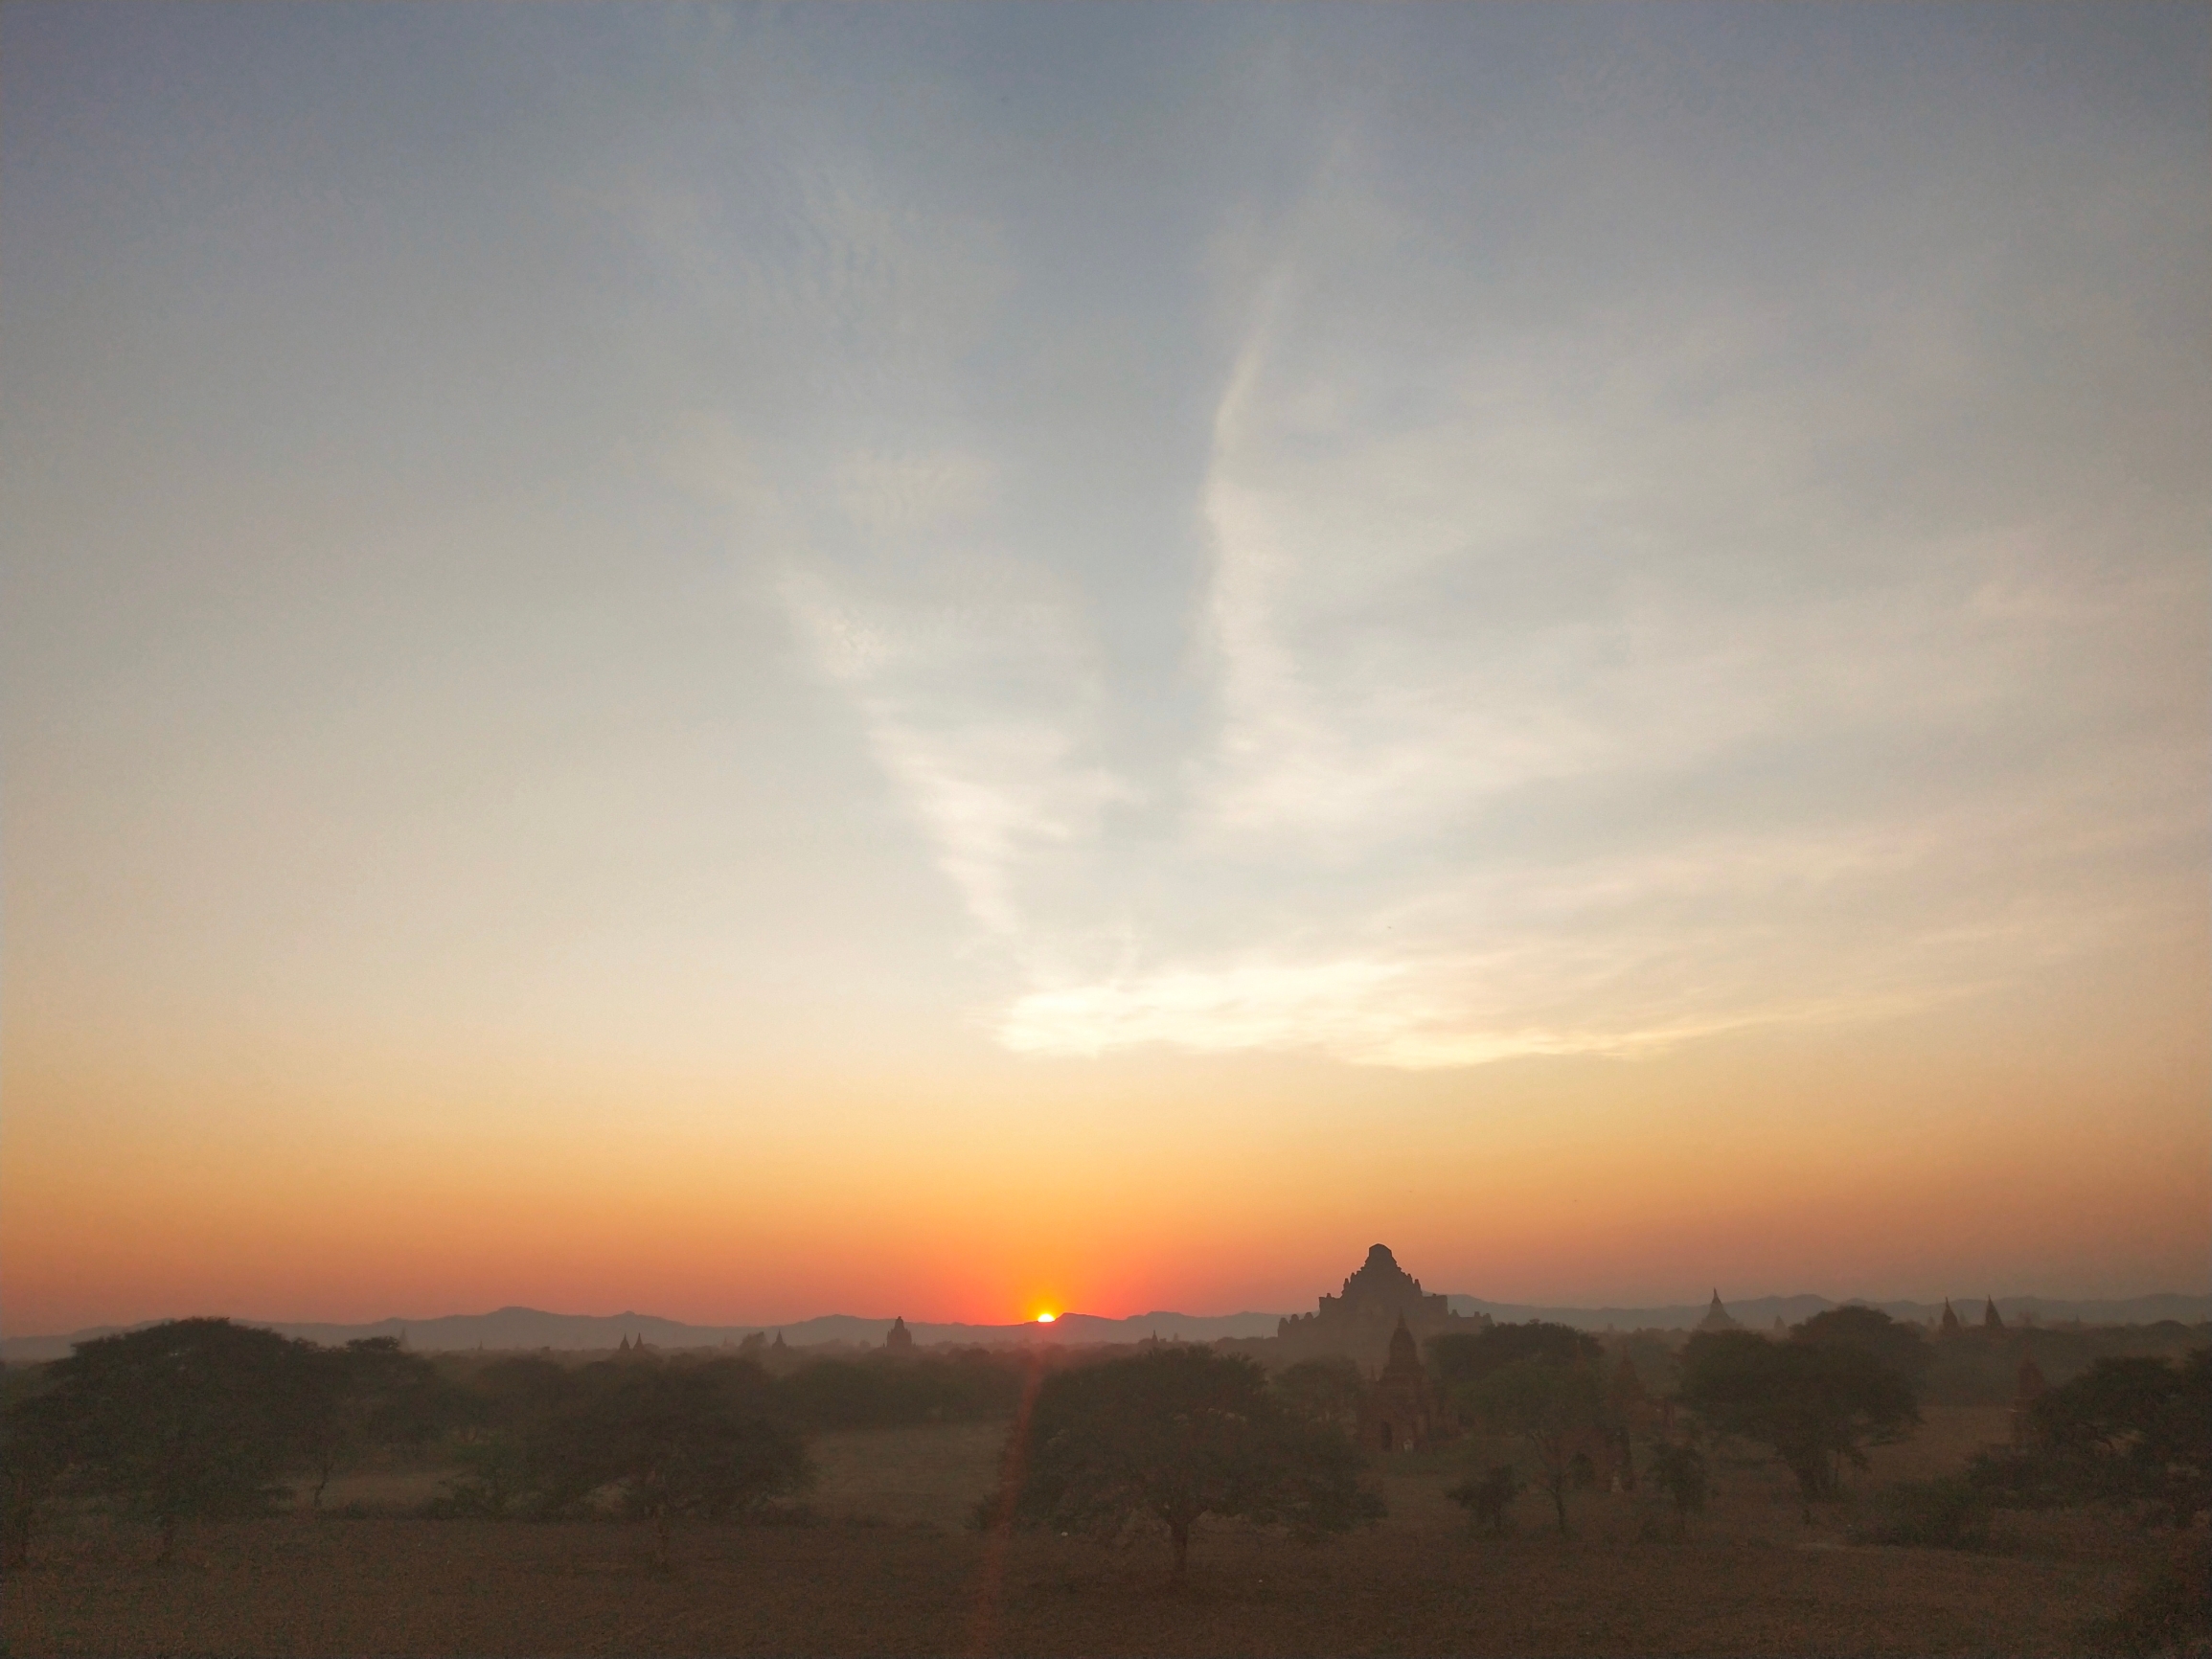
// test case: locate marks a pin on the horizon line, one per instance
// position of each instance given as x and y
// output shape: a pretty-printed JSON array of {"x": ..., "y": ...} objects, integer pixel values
[{"x": 770, "y": 1325}]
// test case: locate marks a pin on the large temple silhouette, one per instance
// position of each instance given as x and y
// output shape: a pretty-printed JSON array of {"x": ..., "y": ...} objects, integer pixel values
[{"x": 1376, "y": 1301}]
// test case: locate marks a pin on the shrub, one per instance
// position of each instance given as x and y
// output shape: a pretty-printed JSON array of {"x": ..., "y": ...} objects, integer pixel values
[
  {"x": 1488, "y": 1501},
  {"x": 1949, "y": 1513},
  {"x": 1679, "y": 1472},
  {"x": 494, "y": 1480},
  {"x": 2171, "y": 1611}
]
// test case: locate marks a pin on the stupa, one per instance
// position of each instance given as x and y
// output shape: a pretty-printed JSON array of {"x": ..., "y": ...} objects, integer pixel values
[{"x": 1399, "y": 1411}]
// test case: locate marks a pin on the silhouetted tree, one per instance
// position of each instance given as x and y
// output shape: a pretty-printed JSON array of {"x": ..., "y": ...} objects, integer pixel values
[
  {"x": 367, "y": 1396},
  {"x": 1179, "y": 1433},
  {"x": 499, "y": 1410},
  {"x": 197, "y": 1418},
  {"x": 884, "y": 1390},
  {"x": 2133, "y": 1431},
  {"x": 703, "y": 1439},
  {"x": 34, "y": 1454},
  {"x": 1901, "y": 1347},
  {"x": 1679, "y": 1472},
  {"x": 514, "y": 1390},
  {"x": 1325, "y": 1391},
  {"x": 1818, "y": 1405},
  {"x": 1488, "y": 1501},
  {"x": 1556, "y": 1408},
  {"x": 1459, "y": 1358}
]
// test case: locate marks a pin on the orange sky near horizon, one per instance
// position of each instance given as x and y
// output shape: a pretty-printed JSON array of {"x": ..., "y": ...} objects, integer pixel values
[{"x": 1112, "y": 1187}]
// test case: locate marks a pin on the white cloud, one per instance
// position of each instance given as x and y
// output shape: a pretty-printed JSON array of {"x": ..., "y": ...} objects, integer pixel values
[{"x": 1568, "y": 686}]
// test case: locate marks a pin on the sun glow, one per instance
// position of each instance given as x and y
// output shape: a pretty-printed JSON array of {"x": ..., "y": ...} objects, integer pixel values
[{"x": 1046, "y": 1318}]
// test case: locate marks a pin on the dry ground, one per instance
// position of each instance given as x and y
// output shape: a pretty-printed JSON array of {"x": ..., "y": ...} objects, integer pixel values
[{"x": 885, "y": 1566}]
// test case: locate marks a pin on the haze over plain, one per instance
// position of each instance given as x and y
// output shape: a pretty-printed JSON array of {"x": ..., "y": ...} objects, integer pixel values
[{"x": 970, "y": 661}]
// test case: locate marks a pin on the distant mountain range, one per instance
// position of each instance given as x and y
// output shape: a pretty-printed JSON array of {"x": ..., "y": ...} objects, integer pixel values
[
  {"x": 1764, "y": 1311},
  {"x": 530, "y": 1327}
]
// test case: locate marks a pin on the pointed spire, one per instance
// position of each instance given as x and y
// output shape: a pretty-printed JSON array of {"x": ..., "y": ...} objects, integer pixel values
[
  {"x": 1991, "y": 1318},
  {"x": 1404, "y": 1354},
  {"x": 1950, "y": 1325}
]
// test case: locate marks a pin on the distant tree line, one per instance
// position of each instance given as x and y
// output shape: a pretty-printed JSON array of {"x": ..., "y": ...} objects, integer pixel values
[
  {"x": 2128, "y": 1432},
  {"x": 1980, "y": 1365},
  {"x": 203, "y": 1419},
  {"x": 1817, "y": 1398}
]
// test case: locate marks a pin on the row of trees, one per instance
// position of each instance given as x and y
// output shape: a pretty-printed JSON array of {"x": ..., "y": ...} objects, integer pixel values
[
  {"x": 1839, "y": 1384},
  {"x": 2132, "y": 1431},
  {"x": 204, "y": 1419},
  {"x": 1162, "y": 1439}
]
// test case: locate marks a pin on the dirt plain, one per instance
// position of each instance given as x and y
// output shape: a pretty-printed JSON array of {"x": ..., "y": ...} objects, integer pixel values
[{"x": 882, "y": 1562}]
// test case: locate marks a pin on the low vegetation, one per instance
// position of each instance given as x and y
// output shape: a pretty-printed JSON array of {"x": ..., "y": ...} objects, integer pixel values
[
  {"x": 2079, "y": 1526},
  {"x": 1944, "y": 1513}
]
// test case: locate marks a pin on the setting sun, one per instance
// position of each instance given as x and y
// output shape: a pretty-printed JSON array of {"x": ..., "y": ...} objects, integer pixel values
[{"x": 1046, "y": 1318}]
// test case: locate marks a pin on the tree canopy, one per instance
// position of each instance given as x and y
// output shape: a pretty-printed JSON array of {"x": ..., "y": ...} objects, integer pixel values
[
  {"x": 367, "y": 1395},
  {"x": 1167, "y": 1437},
  {"x": 1819, "y": 1404},
  {"x": 1326, "y": 1390},
  {"x": 1558, "y": 1408},
  {"x": 1458, "y": 1358},
  {"x": 1900, "y": 1347},
  {"x": 704, "y": 1440},
  {"x": 192, "y": 1418},
  {"x": 2133, "y": 1431}
]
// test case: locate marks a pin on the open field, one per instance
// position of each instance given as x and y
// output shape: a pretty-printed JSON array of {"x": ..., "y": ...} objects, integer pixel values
[
  {"x": 883, "y": 1565},
  {"x": 475, "y": 1587}
]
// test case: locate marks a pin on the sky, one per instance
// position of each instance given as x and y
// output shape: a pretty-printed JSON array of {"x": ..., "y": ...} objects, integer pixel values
[{"x": 747, "y": 662}]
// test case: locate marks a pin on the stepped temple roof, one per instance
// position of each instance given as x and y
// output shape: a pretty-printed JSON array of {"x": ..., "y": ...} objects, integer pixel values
[{"x": 1360, "y": 1319}]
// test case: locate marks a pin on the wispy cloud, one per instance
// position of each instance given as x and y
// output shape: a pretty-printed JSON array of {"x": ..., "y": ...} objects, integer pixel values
[
  {"x": 1578, "y": 674},
  {"x": 980, "y": 719},
  {"x": 1568, "y": 706}
]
